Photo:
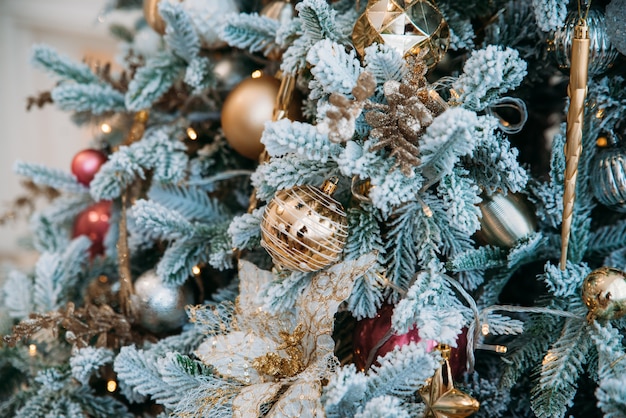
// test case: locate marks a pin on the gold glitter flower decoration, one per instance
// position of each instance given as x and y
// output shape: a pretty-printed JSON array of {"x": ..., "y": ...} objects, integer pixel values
[{"x": 282, "y": 359}]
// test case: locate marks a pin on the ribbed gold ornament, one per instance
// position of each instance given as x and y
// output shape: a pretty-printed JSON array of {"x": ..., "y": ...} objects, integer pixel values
[
  {"x": 604, "y": 293},
  {"x": 408, "y": 26},
  {"x": 304, "y": 228}
]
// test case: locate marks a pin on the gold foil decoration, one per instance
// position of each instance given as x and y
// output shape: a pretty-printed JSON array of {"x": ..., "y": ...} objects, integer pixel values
[
  {"x": 441, "y": 398},
  {"x": 604, "y": 293},
  {"x": 577, "y": 92},
  {"x": 410, "y": 27},
  {"x": 277, "y": 366},
  {"x": 304, "y": 228}
]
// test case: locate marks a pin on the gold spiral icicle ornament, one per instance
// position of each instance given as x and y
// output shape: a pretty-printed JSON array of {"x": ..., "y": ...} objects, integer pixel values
[
  {"x": 577, "y": 92},
  {"x": 304, "y": 228}
]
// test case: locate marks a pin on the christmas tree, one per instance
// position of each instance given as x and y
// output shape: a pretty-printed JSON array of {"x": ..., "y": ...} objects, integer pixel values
[{"x": 343, "y": 209}]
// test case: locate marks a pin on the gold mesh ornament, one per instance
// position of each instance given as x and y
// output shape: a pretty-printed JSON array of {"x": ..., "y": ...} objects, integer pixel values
[
  {"x": 304, "y": 228},
  {"x": 408, "y": 26}
]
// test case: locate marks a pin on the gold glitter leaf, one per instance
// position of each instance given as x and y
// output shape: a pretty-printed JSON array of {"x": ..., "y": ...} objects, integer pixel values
[{"x": 248, "y": 402}]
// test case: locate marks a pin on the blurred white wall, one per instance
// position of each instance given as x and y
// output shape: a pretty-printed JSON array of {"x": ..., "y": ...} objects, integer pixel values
[{"x": 47, "y": 135}]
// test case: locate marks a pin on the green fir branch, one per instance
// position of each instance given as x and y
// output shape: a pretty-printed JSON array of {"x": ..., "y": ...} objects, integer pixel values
[
  {"x": 479, "y": 259},
  {"x": 192, "y": 203},
  {"x": 63, "y": 67},
  {"x": 560, "y": 369},
  {"x": 251, "y": 32},
  {"x": 51, "y": 177},
  {"x": 606, "y": 239},
  {"x": 180, "y": 35},
  {"x": 153, "y": 80},
  {"x": 94, "y": 98}
]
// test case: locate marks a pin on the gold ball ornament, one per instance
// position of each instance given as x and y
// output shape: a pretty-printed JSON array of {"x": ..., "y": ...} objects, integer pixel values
[
  {"x": 304, "y": 228},
  {"x": 410, "y": 27},
  {"x": 604, "y": 293},
  {"x": 245, "y": 111},
  {"x": 152, "y": 15},
  {"x": 505, "y": 220}
]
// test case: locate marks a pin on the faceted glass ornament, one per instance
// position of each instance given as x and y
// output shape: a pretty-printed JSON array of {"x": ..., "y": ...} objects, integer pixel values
[
  {"x": 608, "y": 177},
  {"x": 602, "y": 54},
  {"x": 304, "y": 228},
  {"x": 408, "y": 26}
]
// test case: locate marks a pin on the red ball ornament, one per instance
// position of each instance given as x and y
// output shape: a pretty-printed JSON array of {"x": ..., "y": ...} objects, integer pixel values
[
  {"x": 86, "y": 164},
  {"x": 94, "y": 223},
  {"x": 369, "y": 332},
  {"x": 458, "y": 356}
]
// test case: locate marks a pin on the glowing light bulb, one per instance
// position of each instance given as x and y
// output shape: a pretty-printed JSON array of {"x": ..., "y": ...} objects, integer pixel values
[
  {"x": 192, "y": 134},
  {"x": 106, "y": 128},
  {"x": 111, "y": 385},
  {"x": 257, "y": 74},
  {"x": 32, "y": 350},
  {"x": 485, "y": 329},
  {"x": 195, "y": 270}
]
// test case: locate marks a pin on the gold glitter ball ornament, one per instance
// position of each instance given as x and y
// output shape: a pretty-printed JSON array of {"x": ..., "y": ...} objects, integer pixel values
[
  {"x": 304, "y": 228},
  {"x": 604, "y": 293},
  {"x": 408, "y": 26}
]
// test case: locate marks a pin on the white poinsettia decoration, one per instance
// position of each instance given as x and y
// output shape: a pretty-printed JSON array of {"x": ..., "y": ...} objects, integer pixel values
[{"x": 281, "y": 359}]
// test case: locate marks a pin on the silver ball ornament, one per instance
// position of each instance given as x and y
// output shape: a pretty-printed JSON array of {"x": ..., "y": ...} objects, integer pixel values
[
  {"x": 608, "y": 177},
  {"x": 616, "y": 24},
  {"x": 231, "y": 68},
  {"x": 505, "y": 220},
  {"x": 602, "y": 53},
  {"x": 161, "y": 308}
]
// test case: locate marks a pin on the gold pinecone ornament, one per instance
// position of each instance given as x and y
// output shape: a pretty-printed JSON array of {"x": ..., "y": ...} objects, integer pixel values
[
  {"x": 304, "y": 228},
  {"x": 408, "y": 26}
]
